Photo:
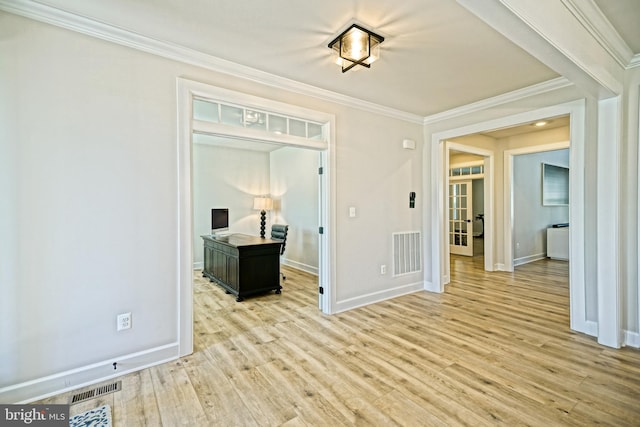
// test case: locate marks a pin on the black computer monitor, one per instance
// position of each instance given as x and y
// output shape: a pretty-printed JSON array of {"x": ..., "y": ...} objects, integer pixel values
[{"x": 219, "y": 220}]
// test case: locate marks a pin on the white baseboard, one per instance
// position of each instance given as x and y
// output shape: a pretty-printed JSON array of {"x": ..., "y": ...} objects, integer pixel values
[
  {"x": 198, "y": 265},
  {"x": 300, "y": 266},
  {"x": 430, "y": 287},
  {"x": 499, "y": 267},
  {"x": 528, "y": 259},
  {"x": 588, "y": 327},
  {"x": 632, "y": 339},
  {"x": 374, "y": 297},
  {"x": 51, "y": 385}
]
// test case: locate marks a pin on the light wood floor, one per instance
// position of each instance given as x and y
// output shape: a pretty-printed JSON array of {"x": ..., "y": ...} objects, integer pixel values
[{"x": 494, "y": 349}]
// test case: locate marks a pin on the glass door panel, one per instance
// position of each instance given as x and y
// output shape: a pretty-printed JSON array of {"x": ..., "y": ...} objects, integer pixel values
[{"x": 460, "y": 225}]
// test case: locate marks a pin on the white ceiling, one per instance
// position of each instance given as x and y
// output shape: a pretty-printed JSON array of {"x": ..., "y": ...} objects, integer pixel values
[
  {"x": 436, "y": 56},
  {"x": 550, "y": 123}
]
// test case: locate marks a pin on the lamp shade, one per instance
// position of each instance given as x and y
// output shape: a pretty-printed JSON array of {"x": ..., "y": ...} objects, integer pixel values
[{"x": 262, "y": 203}]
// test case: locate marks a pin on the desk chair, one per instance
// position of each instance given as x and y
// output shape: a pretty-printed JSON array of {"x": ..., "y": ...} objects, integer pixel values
[{"x": 279, "y": 232}]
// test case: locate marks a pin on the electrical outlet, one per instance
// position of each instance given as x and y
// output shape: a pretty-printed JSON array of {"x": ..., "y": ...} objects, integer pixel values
[
  {"x": 123, "y": 321},
  {"x": 383, "y": 269}
]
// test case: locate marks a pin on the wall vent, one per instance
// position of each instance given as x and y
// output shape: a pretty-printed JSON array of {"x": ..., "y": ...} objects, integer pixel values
[
  {"x": 96, "y": 392},
  {"x": 407, "y": 255}
]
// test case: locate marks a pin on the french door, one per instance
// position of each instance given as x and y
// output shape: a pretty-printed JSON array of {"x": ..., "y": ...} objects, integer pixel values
[{"x": 460, "y": 218}]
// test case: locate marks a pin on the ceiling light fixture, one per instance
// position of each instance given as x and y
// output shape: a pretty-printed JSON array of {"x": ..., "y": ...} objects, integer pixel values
[
  {"x": 540, "y": 124},
  {"x": 356, "y": 46}
]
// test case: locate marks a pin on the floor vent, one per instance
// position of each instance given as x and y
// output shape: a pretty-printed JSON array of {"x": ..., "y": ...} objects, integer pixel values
[
  {"x": 96, "y": 392},
  {"x": 407, "y": 256}
]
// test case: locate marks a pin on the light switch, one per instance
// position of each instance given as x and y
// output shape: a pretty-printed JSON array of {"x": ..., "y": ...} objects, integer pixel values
[{"x": 352, "y": 212}]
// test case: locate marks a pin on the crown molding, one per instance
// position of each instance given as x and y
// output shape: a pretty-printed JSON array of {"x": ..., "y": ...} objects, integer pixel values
[
  {"x": 635, "y": 61},
  {"x": 548, "y": 86},
  {"x": 593, "y": 20},
  {"x": 60, "y": 18}
]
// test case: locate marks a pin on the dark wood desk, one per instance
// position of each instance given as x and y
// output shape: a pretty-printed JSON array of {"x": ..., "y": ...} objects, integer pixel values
[{"x": 243, "y": 265}]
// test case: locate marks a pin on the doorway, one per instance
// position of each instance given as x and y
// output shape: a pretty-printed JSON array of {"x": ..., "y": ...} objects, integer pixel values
[
  {"x": 460, "y": 218},
  {"x": 531, "y": 215},
  {"x": 466, "y": 204},
  {"x": 437, "y": 157},
  {"x": 464, "y": 165},
  {"x": 304, "y": 128},
  {"x": 233, "y": 174}
]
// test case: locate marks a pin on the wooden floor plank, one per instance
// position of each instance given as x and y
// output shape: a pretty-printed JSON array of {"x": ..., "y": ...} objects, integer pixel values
[
  {"x": 136, "y": 404},
  {"x": 172, "y": 387},
  {"x": 218, "y": 398}
]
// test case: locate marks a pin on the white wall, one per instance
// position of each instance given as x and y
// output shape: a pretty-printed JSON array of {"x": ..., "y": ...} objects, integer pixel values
[
  {"x": 376, "y": 176},
  {"x": 91, "y": 209},
  {"x": 231, "y": 178},
  {"x": 88, "y": 150},
  {"x": 530, "y": 218},
  {"x": 294, "y": 188},
  {"x": 227, "y": 178}
]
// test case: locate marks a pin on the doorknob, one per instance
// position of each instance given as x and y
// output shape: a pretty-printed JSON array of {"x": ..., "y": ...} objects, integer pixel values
[{"x": 468, "y": 220}]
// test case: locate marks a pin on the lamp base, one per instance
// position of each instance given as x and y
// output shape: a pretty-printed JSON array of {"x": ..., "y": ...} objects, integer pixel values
[{"x": 263, "y": 221}]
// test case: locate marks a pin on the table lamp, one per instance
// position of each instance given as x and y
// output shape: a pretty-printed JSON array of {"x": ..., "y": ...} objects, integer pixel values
[{"x": 262, "y": 204}]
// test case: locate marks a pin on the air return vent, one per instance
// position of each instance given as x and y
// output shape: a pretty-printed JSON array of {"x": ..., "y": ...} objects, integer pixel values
[
  {"x": 96, "y": 392},
  {"x": 407, "y": 257}
]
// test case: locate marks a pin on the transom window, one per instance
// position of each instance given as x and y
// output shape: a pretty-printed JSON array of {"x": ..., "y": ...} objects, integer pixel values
[
  {"x": 212, "y": 111},
  {"x": 467, "y": 170}
]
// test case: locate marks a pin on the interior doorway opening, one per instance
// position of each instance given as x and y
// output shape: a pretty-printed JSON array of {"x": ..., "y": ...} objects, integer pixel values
[
  {"x": 438, "y": 155},
  {"x": 234, "y": 173},
  {"x": 466, "y": 204},
  {"x": 239, "y": 116},
  {"x": 464, "y": 165}
]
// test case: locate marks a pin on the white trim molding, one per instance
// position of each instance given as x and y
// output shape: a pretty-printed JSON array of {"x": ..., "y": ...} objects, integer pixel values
[
  {"x": 374, "y": 297},
  {"x": 51, "y": 385},
  {"x": 594, "y": 21},
  {"x": 632, "y": 339},
  {"x": 537, "y": 89},
  {"x": 527, "y": 259},
  {"x": 608, "y": 223},
  {"x": 300, "y": 266}
]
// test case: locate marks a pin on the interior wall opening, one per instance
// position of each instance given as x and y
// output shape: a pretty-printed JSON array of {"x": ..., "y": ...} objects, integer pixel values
[
  {"x": 527, "y": 213},
  {"x": 579, "y": 285},
  {"x": 250, "y": 119},
  {"x": 232, "y": 172}
]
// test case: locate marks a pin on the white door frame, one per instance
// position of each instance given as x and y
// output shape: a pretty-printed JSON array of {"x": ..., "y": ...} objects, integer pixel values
[
  {"x": 436, "y": 180},
  {"x": 489, "y": 217},
  {"x": 508, "y": 194},
  {"x": 186, "y": 91}
]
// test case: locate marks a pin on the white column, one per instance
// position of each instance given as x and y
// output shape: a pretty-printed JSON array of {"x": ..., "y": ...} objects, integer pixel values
[{"x": 607, "y": 223}]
